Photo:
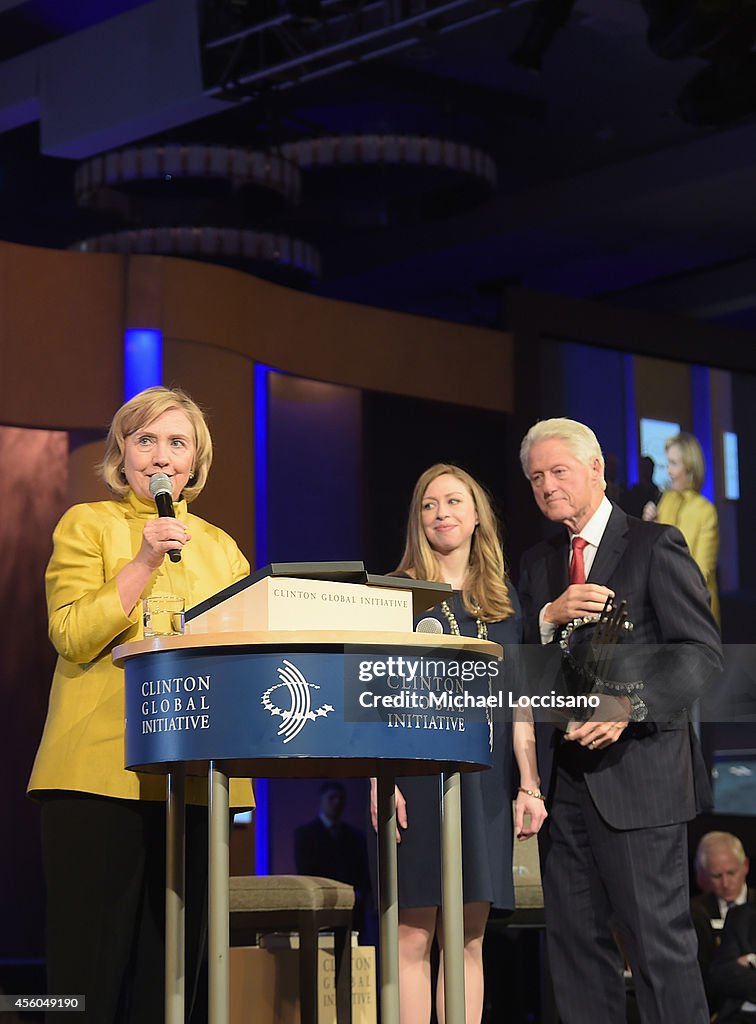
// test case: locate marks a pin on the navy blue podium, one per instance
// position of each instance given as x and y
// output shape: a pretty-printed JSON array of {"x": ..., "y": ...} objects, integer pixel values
[{"x": 308, "y": 703}]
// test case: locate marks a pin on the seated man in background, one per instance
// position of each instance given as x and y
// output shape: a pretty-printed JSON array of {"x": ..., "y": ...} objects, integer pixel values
[
  {"x": 732, "y": 974},
  {"x": 721, "y": 871}
]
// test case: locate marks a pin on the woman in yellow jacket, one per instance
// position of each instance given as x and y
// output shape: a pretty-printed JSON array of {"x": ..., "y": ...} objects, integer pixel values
[
  {"x": 103, "y": 832},
  {"x": 686, "y": 508}
]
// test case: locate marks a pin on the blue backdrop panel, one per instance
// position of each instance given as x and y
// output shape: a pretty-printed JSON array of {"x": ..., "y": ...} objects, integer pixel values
[
  {"x": 595, "y": 392},
  {"x": 314, "y": 478}
]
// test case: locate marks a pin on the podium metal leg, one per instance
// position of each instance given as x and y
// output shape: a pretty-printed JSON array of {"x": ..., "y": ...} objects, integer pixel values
[
  {"x": 452, "y": 912},
  {"x": 218, "y": 871},
  {"x": 388, "y": 901},
  {"x": 175, "y": 896}
]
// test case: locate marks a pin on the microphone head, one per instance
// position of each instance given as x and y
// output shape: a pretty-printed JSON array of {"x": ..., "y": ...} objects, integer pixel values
[
  {"x": 429, "y": 625},
  {"x": 160, "y": 484}
]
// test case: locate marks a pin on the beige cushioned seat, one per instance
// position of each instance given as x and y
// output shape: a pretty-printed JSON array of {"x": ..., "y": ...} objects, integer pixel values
[{"x": 288, "y": 892}]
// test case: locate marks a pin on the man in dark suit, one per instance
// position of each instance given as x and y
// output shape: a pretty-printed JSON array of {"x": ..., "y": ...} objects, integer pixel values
[
  {"x": 329, "y": 847},
  {"x": 733, "y": 971},
  {"x": 622, "y": 784},
  {"x": 721, "y": 872}
]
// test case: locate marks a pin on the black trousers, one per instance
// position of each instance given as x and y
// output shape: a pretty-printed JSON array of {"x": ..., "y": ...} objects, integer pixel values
[
  {"x": 599, "y": 882},
  {"x": 104, "y": 862}
]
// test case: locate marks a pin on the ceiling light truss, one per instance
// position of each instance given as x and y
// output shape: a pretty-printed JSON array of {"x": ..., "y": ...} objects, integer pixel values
[{"x": 282, "y": 51}]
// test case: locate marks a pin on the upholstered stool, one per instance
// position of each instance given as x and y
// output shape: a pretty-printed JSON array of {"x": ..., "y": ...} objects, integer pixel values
[
  {"x": 299, "y": 903},
  {"x": 526, "y": 872}
]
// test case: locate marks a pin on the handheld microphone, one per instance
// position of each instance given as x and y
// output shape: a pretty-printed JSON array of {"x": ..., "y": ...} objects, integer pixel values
[
  {"x": 429, "y": 625},
  {"x": 162, "y": 491}
]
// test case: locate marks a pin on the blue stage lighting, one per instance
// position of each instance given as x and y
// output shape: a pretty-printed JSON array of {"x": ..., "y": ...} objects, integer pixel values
[{"x": 142, "y": 360}]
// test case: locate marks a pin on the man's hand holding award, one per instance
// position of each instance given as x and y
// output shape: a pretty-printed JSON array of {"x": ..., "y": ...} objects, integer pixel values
[{"x": 593, "y": 662}]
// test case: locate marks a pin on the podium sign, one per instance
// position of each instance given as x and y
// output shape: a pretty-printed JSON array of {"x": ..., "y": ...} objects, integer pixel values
[
  {"x": 281, "y": 603},
  {"x": 336, "y": 706}
]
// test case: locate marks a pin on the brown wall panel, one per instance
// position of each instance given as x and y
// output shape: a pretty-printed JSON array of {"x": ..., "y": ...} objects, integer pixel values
[
  {"x": 84, "y": 482},
  {"x": 663, "y": 390},
  {"x": 32, "y": 492},
  {"x": 334, "y": 341},
  {"x": 62, "y": 317},
  {"x": 223, "y": 384},
  {"x": 61, "y": 337}
]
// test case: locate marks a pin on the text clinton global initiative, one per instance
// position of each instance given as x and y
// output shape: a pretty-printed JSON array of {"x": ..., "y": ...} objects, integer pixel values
[
  {"x": 185, "y": 709},
  {"x": 339, "y": 598}
]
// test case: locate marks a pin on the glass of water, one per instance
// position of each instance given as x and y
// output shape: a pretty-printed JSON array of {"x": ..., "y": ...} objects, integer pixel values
[{"x": 163, "y": 615}]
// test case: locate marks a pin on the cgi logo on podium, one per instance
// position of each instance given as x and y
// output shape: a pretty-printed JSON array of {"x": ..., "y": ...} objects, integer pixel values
[{"x": 300, "y": 709}]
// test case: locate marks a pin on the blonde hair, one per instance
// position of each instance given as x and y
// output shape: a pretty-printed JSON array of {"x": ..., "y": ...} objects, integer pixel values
[
  {"x": 134, "y": 415},
  {"x": 485, "y": 592},
  {"x": 582, "y": 441},
  {"x": 691, "y": 457}
]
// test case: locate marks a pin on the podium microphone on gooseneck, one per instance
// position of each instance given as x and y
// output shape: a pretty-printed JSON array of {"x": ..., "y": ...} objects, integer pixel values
[{"x": 161, "y": 490}]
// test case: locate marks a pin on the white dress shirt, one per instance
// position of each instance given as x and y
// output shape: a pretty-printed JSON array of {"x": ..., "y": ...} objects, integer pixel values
[{"x": 739, "y": 900}]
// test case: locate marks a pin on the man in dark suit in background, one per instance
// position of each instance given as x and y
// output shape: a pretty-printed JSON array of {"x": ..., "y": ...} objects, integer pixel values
[
  {"x": 721, "y": 872},
  {"x": 622, "y": 784},
  {"x": 733, "y": 971},
  {"x": 328, "y": 847}
]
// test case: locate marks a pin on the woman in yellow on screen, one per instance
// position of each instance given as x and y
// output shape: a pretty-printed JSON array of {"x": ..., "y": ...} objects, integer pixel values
[{"x": 685, "y": 507}]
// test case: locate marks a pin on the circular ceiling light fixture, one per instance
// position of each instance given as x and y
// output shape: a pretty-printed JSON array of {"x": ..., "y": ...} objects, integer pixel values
[
  {"x": 391, "y": 150},
  {"x": 163, "y": 162},
  {"x": 217, "y": 244}
]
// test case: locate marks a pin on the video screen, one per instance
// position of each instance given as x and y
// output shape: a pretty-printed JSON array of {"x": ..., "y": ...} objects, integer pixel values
[
  {"x": 654, "y": 434},
  {"x": 734, "y": 781},
  {"x": 730, "y": 465}
]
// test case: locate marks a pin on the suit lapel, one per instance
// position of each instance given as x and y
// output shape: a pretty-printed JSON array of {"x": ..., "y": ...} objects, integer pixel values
[
  {"x": 712, "y": 905},
  {"x": 557, "y": 567},
  {"x": 611, "y": 548}
]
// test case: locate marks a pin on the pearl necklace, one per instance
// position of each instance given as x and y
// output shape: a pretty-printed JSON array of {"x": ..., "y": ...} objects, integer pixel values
[{"x": 454, "y": 625}]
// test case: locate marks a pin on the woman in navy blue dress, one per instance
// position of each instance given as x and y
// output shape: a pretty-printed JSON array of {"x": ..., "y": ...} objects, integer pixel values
[{"x": 453, "y": 537}]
